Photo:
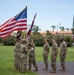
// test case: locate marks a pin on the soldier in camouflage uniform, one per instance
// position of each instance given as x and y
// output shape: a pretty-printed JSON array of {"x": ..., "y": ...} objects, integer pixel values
[
  {"x": 17, "y": 51},
  {"x": 32, "y": 59},
  {"x": 63, "y": 51},
  {"x": 23, "y": 56},
  {"x": 46, "y": 51},
  {"x": 54, "y": 56},
  {"x": 17, "y": 54}
]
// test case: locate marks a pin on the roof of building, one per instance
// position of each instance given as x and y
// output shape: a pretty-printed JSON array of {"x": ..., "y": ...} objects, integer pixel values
[{"x": 59, "y": 32}]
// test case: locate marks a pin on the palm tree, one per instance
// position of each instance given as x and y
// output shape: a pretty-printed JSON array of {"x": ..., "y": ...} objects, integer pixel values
[
  {"x": 36, "y": 29},
  {"x": 53, "y": 27},
  {"x": 67, "y": 29},
  {"x": 72, "y": 31},
  {"x": 62, "y": 28},
  {"x": 48, "y": 33}
]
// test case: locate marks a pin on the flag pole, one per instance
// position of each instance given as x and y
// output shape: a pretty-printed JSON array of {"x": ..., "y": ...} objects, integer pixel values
[
  {"x": 25, "y": 32},
  {"x": 19, "y": 14},
  {"x": 29, "y": 31},
  {"x": 21, "y": 11},
  {"x": 24, "y": 35}
]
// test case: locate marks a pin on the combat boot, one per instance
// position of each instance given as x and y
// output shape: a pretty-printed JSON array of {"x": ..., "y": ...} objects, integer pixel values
[
  {"x": 35, "y": 69},
  {"x": 29, "y": 69},
  {"x": 53, "y": 71},
  {"x": 22, "y": 72},
  {"x": 45, "y": 68},
  {"x": 62, "y": 69}
]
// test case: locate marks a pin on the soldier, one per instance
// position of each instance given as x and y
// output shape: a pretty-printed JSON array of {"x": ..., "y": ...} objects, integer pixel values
[
  {"x": 23, "y": 56},
  {"x": 46, "y": 51},
  {"x": 63, "y": 51},
  {"x": 32, "y": 59},
  {"x": 54, "y": 56},
  {"x": 17, "y": 50},
  {"x": 17, "y": 54}
]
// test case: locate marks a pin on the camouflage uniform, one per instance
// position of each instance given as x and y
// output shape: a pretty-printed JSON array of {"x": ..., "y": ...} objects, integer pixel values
[
  {"x": 23, "y": 58},
  {"x": 32, "y": 59},
  {"x": 45, "y": 54},
  {"x": 63, "y": 50},
  {"x": 17, "y": 55},
  {"x": 54, "y": 55}
]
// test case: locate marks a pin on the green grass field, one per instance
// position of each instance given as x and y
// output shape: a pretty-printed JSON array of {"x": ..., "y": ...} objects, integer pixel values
[
  {"x": 69, "y": 57},
  {"x": 7, "y": 60}
]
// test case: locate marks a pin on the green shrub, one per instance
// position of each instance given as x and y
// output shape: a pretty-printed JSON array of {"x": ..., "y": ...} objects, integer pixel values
[
  {"x": 38, "y": 39},
  {"x": 9, "y": 41},
  {"x": 0, "y": 40},
  {"x": 68, "y": 41}
]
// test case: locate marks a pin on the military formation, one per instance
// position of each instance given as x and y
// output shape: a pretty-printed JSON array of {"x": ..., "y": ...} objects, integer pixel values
[{"x": 24, "y": 53}]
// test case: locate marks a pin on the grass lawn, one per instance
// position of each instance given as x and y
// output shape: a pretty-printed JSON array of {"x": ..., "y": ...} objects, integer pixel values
[
  {"x": 7, "y": 60},
  {"x": 69, "y": 57}
]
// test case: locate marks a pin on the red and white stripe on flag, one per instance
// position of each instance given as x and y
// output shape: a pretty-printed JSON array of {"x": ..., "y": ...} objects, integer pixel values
[
  {"x": 11, "y": 26},
  {"x": 19, "y": 22}
]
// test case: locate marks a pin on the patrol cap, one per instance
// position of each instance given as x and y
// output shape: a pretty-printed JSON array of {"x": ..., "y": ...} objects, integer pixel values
[
  {"x": 18, "y": 39},
  {"x": 30, "y": 40},
  {"x": 62, "y": 38},
  {"x": 24, "y": 41},
  {"x": 54, "y": 38},
  {"x": 47, "y": 39}
]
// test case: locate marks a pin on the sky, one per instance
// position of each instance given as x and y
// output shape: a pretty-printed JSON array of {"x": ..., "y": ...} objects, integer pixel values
[{"x": 49, "y": 12}]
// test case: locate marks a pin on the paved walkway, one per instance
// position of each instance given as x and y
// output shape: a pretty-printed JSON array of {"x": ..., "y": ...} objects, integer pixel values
[{"x": 69, "y": 69}]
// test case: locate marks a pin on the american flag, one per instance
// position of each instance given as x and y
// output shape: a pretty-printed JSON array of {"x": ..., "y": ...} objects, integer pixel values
[
  {"x": 29, "y": 31},
  {"x": 18, "y": 22}
]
